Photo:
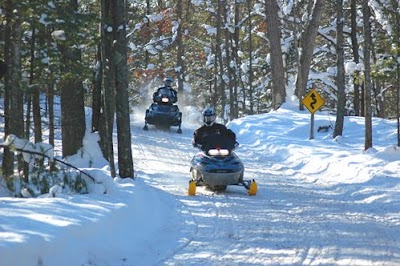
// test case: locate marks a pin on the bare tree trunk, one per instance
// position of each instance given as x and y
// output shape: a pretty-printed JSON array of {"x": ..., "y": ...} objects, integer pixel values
[
  {"x": 36, "y": 115},
  {"x": 395, "y": 5},
  {"x": 356, "y": 56},
  {"x": 295, "y": 35},
  {"x": 35, "y": 90},
  {"x": 13, "y": 99},
  {"x": 30, "y": 96},
  {"x": 50, "y": 99},
  {"x": 180, "y": 54},
  {"x": 380, "y": 98},
  {"x": 160, "y": 53},
  {"x": 125, "y": 161},
  {"x": 146, "y": 53},
  {"x": 106, "y": 131},
  {"x": 250, "y": 72},
  {"x": 235, "y": 56},
  {"x": 72, "y": 115},
  {"x": 230, "y": 70},
  {"x": 72, "y": 93},
  {"x": 218, "y": 54},
  {"x": 214, "y": 79},
  {"x": 274, "y": 37},
  {"x": 307, "y": 48},
  {"x": 96, "y": 93},
  {"x": 340, "y": 78},
  {"x": 367, "y": 73},
  {"x": 8, "y": 156}
]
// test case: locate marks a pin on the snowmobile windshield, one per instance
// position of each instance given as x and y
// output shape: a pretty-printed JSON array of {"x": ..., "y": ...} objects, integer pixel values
[
  {"x": 164, "y": 91},
  {"x": 218, "y": 142}
]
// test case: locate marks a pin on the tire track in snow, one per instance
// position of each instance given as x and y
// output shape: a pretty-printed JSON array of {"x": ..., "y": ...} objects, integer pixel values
[{"x": 155, "y": 148}]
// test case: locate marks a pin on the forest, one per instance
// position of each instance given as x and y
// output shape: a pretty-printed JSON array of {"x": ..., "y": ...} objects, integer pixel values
[{"x": 237, "y": 56}]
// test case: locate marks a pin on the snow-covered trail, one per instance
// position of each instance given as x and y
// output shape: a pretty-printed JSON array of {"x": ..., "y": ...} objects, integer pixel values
[{"x": 289, "y": 222}]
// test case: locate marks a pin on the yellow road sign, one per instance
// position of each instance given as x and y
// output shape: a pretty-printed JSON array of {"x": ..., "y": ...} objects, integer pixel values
[{"x": 313, "y": 101}]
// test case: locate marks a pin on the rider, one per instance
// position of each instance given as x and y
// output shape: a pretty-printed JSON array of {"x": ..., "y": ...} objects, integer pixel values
[
  {"x": 167, "y": 85},
  {"x": 210, "y": 127}
]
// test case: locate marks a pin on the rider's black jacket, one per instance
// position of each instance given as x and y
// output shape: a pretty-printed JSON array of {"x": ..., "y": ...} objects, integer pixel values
[
  {"x": 173, "y": 95},
  {"x": 204, "y": 131}
]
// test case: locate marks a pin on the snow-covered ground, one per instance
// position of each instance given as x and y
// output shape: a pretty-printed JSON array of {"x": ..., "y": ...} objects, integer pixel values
[{"x": 323, "y": 201}]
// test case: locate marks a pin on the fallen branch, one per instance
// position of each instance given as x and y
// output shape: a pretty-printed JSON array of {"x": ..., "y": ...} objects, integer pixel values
[{"x": 51, "y": 158}]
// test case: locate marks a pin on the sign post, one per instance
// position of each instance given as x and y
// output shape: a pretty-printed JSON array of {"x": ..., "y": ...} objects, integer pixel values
[{"x": 313, "y": 102}]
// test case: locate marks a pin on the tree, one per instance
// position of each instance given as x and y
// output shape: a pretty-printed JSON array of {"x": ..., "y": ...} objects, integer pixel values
[
  {"x": 236, "y": 59},
  {"x": 356, "y": 56},
  {"x": 367, "y": 74},
  {"x": 125, "y": 162},
  {"x": 181, "y": 50},
  {"x": 274, "y": 37},
  {"x": 13, "y": 99},
  {"x": 72, "y": 92},
  {"x": 340, "y": 81},
  {"x": 397, "y": 35},
  {"x": 230, "y": 72},
  {"x": 307, "y": 48},
  {"x": 219, "y": 63},
  {"x": 96, "y": 92},
  {"x": 250, "y": 73},
  {"x": 108, "y": 84}
]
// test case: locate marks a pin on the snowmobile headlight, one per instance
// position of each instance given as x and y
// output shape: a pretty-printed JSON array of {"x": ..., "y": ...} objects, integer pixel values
[
  {"x": 165, "y": 100},
  {"x": 224, "y": 152},
  {"x": 213, "y": 152},
  {"x": 218, "y": 152}
]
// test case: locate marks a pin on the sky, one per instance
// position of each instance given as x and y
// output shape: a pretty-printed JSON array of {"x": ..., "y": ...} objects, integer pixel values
[{"x": 320, "y": 201}]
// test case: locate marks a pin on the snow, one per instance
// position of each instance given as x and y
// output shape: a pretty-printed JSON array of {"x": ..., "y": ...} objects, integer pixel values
[
  {"x": 350, "y": 67},
  {"x": 321, "y": 201},
  {"x": 58, "y": 35},
  {"x": 210, "y": 29}
]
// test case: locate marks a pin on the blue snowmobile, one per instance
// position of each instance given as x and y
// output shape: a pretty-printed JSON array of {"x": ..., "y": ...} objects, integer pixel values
[
  {"x": 216, "y": 166},
  {"x": 163, "y": 112}
]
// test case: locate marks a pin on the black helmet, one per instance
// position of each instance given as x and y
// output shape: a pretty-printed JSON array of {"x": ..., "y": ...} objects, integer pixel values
[
  {"x": 209, "y": 116},
  {"x": 168, "y": 81}
]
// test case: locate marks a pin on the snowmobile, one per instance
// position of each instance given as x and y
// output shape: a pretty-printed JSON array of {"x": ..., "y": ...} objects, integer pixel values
[
  {"x": 216, "y": 166},
  {"x": 163, "y": 112}
]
